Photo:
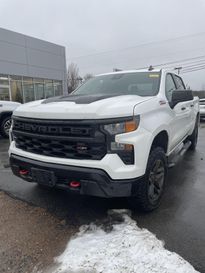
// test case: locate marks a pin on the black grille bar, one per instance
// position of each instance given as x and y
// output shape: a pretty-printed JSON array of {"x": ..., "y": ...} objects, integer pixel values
[{"x": 64, "y": 139}]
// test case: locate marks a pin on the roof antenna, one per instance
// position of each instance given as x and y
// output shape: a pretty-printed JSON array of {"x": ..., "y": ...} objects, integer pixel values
[
  {"x": 151, "y": 68},
  {"x": 116, "y": 69}
]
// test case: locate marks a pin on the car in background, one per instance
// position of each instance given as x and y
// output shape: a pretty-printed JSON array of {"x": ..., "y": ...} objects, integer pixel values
[
  {"x": 202, "y": 108},
  {"x": 6, "y": 111}
]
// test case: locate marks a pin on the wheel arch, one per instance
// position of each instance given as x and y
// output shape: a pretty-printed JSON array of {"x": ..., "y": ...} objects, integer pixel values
[
  {"x": 198, "y": 116},
  {"x": 161, "y": 139},
  {"x": 3, "y": 115}
]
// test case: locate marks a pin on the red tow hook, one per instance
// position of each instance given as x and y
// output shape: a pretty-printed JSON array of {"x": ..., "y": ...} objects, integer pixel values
[
  {"x": 75, "y": 184},
  {"x": 23, "y": 172}
]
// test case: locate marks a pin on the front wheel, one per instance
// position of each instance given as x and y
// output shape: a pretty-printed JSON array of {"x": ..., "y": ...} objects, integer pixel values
[
  {"x": 5, "y": 126},
  {"x": 148, "y": 191}
]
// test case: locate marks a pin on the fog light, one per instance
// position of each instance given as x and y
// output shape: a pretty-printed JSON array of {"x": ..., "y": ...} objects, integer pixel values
[
  {"x": 115, "y": 146},
  {"x": 124, "y": 151}
]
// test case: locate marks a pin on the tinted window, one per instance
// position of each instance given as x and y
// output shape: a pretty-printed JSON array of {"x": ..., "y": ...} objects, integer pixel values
[
  {"x": 28, "y": 88},
  {"x": 169, "y": 87},
  {"x": 4, "y": 93},
  {"x": 179, "y": 83},
  {"x": 16, "y": 89},
  {"x": 139, "y": 83}
]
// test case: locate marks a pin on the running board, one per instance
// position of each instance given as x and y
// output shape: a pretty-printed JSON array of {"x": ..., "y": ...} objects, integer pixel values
[{"x": 178, "y": 153}]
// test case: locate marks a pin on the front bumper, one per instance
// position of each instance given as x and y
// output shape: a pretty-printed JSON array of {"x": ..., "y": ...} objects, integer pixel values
[
  {"x": 110, "y": 163},
  {"x": 94, "y": 182}
]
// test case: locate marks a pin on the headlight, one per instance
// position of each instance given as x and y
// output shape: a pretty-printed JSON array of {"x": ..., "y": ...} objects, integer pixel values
[
  {"x": 126, "y": 125},
  {"x": 123, "y": 127}
]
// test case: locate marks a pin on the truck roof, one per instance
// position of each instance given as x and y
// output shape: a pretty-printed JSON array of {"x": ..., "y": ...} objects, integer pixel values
[{"x": 135, "y": 71}]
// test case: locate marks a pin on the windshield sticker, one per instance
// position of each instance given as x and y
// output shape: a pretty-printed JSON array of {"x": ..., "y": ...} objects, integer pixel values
[{"x": 153, "y": 75}]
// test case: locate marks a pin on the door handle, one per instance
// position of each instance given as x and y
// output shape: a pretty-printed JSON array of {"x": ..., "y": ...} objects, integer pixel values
[
  {"x": 183, "y": 108},
  {"x": 191, "y": 105}
]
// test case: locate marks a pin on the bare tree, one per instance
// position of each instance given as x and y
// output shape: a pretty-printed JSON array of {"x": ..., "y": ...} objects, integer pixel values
[
  {"x": 88, "y": 76},
  {"x": 73, "y": 78}
]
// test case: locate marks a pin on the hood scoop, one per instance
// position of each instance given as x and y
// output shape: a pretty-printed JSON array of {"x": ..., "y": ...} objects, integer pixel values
[{"x": 79, "y": 99}]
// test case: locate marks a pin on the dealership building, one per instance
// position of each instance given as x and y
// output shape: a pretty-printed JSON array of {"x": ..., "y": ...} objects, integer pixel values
[{"x": 30, "y": 68}]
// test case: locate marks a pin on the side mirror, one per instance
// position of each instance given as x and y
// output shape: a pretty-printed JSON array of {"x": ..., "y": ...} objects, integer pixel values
[{"x": 180, "y": 96}]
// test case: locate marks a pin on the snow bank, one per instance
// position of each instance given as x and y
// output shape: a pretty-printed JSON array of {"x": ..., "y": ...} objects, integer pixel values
[{"x": 118, "y": 246}]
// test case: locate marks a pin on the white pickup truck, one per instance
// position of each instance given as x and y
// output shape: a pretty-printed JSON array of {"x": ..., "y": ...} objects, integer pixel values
[
  {"x": 6, "y": 110},
  {"x": 114, "y": 136}
]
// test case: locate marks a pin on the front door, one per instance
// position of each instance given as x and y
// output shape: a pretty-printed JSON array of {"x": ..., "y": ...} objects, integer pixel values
[{"x": 179, "y": 114}]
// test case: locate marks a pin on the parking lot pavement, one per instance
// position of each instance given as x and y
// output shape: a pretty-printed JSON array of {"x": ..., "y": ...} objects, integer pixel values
[
  {"x": 4, "y": 144},
  {"x": 179, "y": 221},
  {"x": 30, "y": 236}
]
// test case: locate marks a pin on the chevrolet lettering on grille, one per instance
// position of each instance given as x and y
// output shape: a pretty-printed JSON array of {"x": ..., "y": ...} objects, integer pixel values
[
  {"x": 50, "y": 129},
  {"x": 60, "y": 138}
]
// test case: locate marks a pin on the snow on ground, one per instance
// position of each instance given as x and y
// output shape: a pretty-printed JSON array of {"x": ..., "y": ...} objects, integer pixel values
[{"x": 118, "y": 246}]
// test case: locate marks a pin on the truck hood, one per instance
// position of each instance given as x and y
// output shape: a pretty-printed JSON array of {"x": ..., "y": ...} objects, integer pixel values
[{"x": 81, "y": 107}]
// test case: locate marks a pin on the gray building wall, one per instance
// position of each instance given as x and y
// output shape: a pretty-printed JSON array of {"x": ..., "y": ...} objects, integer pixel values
[{"x": 26, "y": 56}]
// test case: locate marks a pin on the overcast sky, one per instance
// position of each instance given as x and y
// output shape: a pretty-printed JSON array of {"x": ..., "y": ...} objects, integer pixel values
[{"x": 102, "y": 34}]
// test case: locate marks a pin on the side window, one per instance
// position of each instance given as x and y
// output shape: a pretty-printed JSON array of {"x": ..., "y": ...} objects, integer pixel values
[
  {"x": 169, "y": 87},
  {"x": 179, "y": 83}
]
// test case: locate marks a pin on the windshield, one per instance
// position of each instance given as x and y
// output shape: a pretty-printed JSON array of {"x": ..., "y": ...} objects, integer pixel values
[{"x": 136, "y": 83}]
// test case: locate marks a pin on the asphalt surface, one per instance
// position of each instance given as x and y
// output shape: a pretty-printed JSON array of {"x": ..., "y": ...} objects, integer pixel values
[{"x": 179, "y": 222}]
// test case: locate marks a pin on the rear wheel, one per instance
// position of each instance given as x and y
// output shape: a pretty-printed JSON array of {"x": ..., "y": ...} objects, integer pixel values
[
  {"x": 148, "y": 191},
  {"x": 5, "y": 126}
]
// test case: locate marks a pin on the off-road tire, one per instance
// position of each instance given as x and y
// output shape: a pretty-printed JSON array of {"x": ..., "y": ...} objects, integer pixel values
[
  {"x": 141, "y": 199},
  {"x": 3, "y": 126}
]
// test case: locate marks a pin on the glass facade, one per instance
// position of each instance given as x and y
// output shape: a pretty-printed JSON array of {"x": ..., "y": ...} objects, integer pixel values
[
  {"x": 39, "y": 87},
  {"x": 4, "y": 88},
  {"x": 28, "y": 89},
  {"x": 16, "y": 88},
  {"x": 49, "y": 90},
  {"x": 25, "y": 89}
]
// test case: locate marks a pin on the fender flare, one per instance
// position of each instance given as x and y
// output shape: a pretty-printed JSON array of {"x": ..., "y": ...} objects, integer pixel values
[{"x": 5, "y": 114}]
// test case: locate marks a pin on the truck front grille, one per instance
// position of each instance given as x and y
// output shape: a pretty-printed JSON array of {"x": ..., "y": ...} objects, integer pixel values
[{"x": 64, "y": 139}]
